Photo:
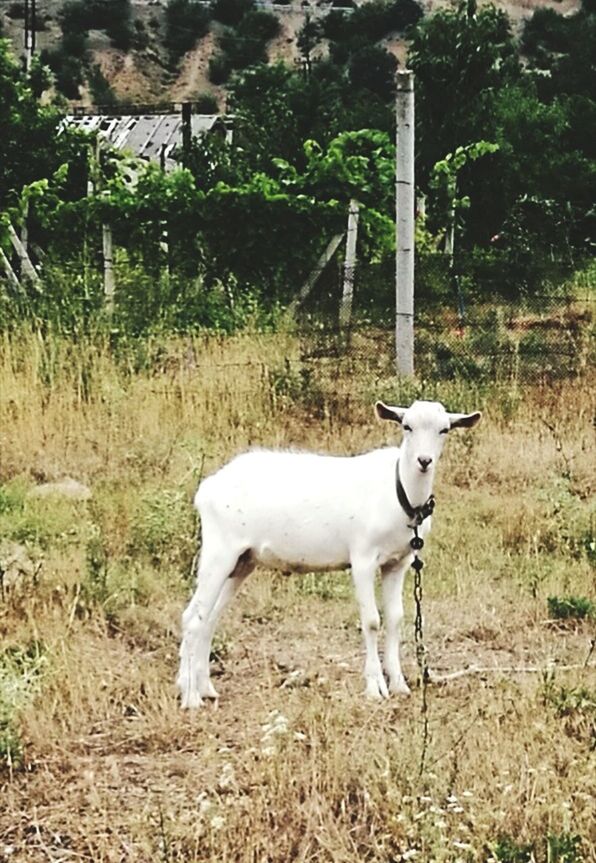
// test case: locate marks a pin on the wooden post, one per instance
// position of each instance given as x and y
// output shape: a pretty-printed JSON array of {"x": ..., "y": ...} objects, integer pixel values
[
  {"x": 25, "y": 227},
  {"x": 404, "y": 287},
  {"x": 12, "y": 276},
  {"x": 109, "y": 285},
  {"x": 27, "y": 267},
  {"x": 186, "y": 131},
  {"x": 309, "y": 284},
  {"x": 345, "y": 309}
]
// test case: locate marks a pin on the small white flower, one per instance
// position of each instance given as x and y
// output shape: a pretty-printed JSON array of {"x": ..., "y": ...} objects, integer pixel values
[
  {"x": 452, "y": 799},
  {"x": 204, "y": 804},
  {"x": 426, "y": 799},
  {"x": 411, "y": 852},
  {"x": 441, "y": 824},
  {"x": 227, "y": 776},
  {"x": 217, "y": 822}
]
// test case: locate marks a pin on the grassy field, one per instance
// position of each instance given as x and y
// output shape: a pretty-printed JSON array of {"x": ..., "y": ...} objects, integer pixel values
[{"x": 98, "y": 763}]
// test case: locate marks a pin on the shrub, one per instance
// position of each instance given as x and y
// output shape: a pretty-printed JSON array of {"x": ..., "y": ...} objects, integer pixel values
[
  {"x": 100, "y": 88},
  {"x": 20, "y": 669},
  {"x": 231, "y": 12},
  {"x": 68, "y": 71},
  {"x": 206, "y": 103},
  {"x": 571, "y": 608},
  {"x": 546, "y": 29},
  {"x": 373, "y": 68},
  {"x": 259, "y": 25},
  {"x": 186, "y": 21},
  {"x": 16, "y": 11},
  {"x": 220, "y": 68},
  {"x": 240, "y": 50}
]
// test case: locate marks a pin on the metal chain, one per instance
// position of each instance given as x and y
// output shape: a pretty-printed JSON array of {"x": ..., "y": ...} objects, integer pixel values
[{"x": 417, "y": 543}]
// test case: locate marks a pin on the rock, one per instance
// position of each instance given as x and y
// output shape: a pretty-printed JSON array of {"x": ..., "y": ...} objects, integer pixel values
[
  {"x": 67, "y": 487},
  {"x": 15, "y": 562}
]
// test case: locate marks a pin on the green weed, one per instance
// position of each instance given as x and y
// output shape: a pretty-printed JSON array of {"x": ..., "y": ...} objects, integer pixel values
[
  {"x": 570, "y": 608},
  {"x": 20, "y": 670}
]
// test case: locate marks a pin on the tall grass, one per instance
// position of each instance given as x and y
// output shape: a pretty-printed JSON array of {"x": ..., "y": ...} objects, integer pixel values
[{"x": 293, "y": 765}]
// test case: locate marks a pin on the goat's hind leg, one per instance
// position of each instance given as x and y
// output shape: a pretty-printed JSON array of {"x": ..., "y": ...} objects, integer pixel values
[{"x": 219, "y": 577}]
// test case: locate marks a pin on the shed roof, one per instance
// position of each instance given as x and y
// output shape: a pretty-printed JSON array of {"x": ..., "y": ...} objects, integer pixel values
[{"x": 147, "y": 135}]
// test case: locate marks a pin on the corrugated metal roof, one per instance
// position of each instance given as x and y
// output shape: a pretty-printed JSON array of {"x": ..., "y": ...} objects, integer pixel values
[{"x": 148, "y": 135}]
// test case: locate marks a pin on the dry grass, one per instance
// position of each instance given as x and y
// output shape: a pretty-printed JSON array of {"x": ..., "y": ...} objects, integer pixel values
[{"x": 293, "y": 765}]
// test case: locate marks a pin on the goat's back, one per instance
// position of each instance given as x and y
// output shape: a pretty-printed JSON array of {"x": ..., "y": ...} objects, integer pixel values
[{"x": 301, "y": 510}]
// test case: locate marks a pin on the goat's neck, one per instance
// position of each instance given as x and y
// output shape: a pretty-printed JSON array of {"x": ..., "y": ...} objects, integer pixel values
[{"x": 418, "y": 486}]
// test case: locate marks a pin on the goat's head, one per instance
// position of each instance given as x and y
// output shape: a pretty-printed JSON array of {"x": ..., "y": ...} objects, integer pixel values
[{"x": 425, "y": 426}]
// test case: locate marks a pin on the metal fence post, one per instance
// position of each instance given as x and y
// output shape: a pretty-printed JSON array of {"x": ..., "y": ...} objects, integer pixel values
[{"x": 404, "y": 197}]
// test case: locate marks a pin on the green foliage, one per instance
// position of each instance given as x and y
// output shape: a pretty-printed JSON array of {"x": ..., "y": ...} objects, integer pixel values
[
  {"x": 373, "y": 69},
  {"x": 372, "y": 21},
  {"x": 570, "y": 701},
  {"x": 114, "y": 16},
  {"x": 245, "y": 44},
  {"x": 95, "y": 588},
  {"x": 461, "y": 62},
  {"x": 101, "y": 91},
  {"x": 507, "y": 850},
  {"x": 20, "y": 671},
  {"x": 206, "y": 103},
  {"x": 571, "y": 608},
  {"x": 220, "y": 68},
  {"x": 558, "y": 848},
  {"x": 186, "y": 21},
  {"x": 231, "y": 12},
  {"x": 163, "y": 528}
]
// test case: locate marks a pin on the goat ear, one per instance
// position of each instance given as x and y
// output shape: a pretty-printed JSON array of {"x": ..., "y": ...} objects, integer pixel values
[
  {"x": 389, "y": 412},
  {"x": 464, "y": 420}
]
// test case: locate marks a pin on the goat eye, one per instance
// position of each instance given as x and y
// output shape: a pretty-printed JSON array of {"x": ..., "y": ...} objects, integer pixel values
[
  {"x": 443, "y": 431},
  {"x": 406, "y": 428}
]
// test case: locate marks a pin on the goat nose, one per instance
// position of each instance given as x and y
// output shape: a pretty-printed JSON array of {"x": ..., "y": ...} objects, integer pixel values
[{"x": 424, "y": 461}]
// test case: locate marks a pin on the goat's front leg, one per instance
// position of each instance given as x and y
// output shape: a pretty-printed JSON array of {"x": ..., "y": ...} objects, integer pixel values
[
  {"x": 393, "y": 575},
  {"x": 363, "y": 574}
]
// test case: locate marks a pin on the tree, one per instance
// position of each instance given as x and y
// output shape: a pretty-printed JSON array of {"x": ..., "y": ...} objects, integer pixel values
[
  {"x": 30, "y": 146},
  {"x": 461, "y": 62}
]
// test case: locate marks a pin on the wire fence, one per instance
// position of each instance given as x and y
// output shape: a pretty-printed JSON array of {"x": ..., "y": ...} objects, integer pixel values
[
  {"x": 486, "y": 320},
  {"x": 471, "y": 324}
]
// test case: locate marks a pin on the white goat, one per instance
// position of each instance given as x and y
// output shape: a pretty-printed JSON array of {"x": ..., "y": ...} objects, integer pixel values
[{"x": 295, "y": 511}]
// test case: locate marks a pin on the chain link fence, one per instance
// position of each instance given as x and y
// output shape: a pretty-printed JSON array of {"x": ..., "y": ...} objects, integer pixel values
[
  {"x": 487, "y": 319},
  {"x": 472, "y": 323}
]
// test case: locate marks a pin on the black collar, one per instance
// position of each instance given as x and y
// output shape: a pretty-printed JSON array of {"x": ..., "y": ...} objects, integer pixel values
[{"x": 415, "y": 513}]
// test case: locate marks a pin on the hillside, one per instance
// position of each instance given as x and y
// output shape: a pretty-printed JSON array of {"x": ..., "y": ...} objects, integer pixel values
[{"x": 145, "y": 69}]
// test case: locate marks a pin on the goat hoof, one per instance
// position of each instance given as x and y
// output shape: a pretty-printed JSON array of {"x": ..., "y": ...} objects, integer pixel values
[
  {"x": 376, "y": 689},
  {"x": 400, "y": 687},
  {"x": 191, "y": 701},
  {"x": 210, "y": 692}
]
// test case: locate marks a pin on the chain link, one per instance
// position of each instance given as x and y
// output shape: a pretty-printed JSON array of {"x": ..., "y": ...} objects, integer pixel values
[{"x": 417, "y": 565}]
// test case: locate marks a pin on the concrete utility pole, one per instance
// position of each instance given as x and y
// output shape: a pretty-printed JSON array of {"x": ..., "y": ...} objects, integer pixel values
[
  {"x": 345, "y": 308},
  {"x": 404, "y": 197},
  {"x": 30, "y": 26}
]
